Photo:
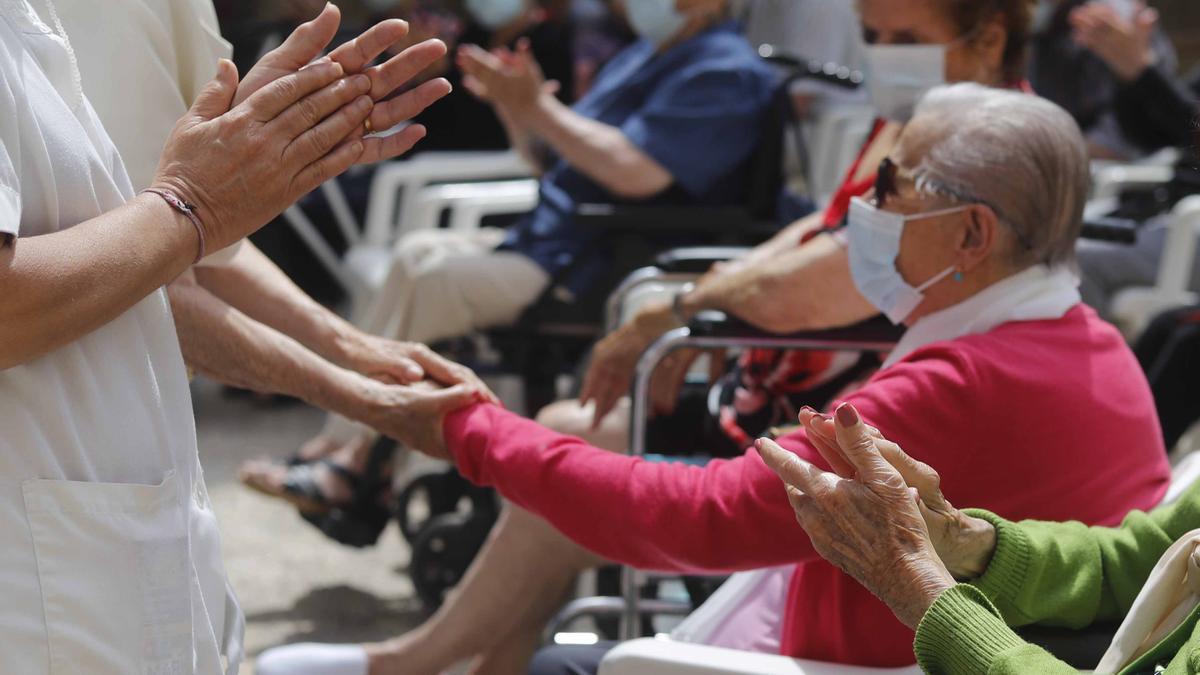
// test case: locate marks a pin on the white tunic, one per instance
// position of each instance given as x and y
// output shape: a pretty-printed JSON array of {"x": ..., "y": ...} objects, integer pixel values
[{"x": 109, "y": 555}]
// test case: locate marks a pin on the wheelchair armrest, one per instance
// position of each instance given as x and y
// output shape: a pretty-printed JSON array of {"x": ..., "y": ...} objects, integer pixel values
[
  {"x": 651, "y": 655},
  {"x": 696, "y": 259},
  {"x": 718, "y": 325},
  {"x": 667, "y": 219},
  {"x": 1116, "y": 230}
]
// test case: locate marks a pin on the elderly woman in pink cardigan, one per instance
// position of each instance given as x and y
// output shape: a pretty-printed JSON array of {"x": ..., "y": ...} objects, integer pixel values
[{"x": 967, "y": 240}]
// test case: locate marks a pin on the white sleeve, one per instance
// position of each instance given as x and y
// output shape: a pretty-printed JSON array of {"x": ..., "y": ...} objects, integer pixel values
[{"x": 10, "y": 148}]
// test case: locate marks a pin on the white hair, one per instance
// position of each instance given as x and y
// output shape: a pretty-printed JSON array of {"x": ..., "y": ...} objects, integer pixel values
[{"x": 1020, "y": 154}]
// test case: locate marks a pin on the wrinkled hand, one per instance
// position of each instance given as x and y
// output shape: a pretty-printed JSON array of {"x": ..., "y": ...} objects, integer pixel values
[
  {"x": 511, "y": 81},
  {"x": 1124, "y": 44},
  {"x": 396, "y": 362},
  {"x": 413, "y": 415},
  {"x": 311, "y": 39},
  {"x": 243, "y": 166},
  {"x": 869, "y": 527},
  {"x": 964, "y": 544},
  {"x": 616, "y": 356},
  {"x": 666, "y": 384}
]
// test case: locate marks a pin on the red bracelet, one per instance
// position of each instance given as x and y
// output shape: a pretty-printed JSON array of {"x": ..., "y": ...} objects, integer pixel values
[{"x": 186, "y": 209}]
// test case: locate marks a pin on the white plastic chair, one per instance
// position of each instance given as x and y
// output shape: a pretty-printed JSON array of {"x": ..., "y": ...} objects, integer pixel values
[
  {"x": 391, "y": 203},
  {"x": 658, "y": 656},
  {"x": 1134, "y": 308},
  {"x": 833, "y": 137}
]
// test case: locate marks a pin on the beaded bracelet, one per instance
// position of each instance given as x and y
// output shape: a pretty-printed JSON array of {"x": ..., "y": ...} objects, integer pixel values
[{"x": 186, "y": 209}]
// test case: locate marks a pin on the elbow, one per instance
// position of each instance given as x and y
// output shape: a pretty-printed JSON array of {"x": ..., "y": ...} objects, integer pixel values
[{"x": 636, "y": 189}]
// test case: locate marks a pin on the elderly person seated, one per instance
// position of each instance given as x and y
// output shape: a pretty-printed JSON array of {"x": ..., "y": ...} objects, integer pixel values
[
  {"x": 967, "y": 240},
  {"x": 964, "y": 577},
  {"x": 672, "y": 119},
  {"x": 786, "y": 284}
]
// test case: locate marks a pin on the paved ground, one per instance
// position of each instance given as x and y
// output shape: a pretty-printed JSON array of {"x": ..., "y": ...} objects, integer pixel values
[{"x": 294, "y": 584}]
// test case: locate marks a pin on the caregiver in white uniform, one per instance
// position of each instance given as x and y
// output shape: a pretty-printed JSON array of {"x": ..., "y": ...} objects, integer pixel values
[{"x": 109, "y": 555}]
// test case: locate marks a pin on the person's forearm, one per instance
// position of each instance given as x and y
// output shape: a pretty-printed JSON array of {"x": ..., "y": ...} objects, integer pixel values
[
  {"x": 1075, "y": 575},
  {"x": 808, "y": 287},
  {"x": 963, "y": 633},
  {"x": 533, "y": 151},
  {"x": 600, "y": 151},
  {"x": 737, "y": 504},
  {"x": 1157, "y": 111},
  {"x": 255, "y": 285},
  {"x": 59, "y": 287},
  {"x": 222, "y": 343}
]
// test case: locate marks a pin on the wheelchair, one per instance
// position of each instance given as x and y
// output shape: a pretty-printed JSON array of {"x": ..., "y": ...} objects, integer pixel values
[{"x": 557, "y": 331}]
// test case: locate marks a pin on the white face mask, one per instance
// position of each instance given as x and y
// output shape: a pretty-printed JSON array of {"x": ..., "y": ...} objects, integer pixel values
[
  {"x": 492, "y": 14},
  {"x": 654, "y": 20},
  {"x": 874, "y": 245},
  {"x": 899, "y": 75}
]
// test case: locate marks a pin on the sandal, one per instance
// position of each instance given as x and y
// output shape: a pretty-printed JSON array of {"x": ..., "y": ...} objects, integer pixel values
[{"x": 360, "y": 522}]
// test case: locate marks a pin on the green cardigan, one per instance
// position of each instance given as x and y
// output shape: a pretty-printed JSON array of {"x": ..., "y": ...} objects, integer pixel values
[{"x": 1057, "y": 574}]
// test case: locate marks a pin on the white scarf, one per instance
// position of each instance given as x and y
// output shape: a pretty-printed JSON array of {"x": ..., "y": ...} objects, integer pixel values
[{"x": 1040, "y": 293}]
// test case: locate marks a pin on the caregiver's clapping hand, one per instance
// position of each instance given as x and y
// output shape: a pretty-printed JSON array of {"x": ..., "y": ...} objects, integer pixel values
[
  {"x": 310, "y": 40},
  {"x": 881, "y": 518},
  {"x": 238, "y": 164}
]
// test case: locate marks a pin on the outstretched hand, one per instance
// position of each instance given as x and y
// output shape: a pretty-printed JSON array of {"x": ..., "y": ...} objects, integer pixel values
[{"x": 309, "y": 41}]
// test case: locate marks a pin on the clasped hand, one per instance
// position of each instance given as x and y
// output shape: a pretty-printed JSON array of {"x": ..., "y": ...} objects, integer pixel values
[{"x": 880, "y": 515}]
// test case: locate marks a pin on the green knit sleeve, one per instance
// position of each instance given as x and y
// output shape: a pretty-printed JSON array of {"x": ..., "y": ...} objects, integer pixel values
[
  {"x": 1067, "y": 574},
  {"x": 963, "y": 633}
]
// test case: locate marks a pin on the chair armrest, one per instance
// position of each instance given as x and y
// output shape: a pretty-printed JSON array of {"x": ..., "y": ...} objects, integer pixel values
[
  {"x": 1116, "y": 230},
  {"x": 697, "y": 259},
  {"x": 650, "y": 656},
  {"x": 670, "y": 219},
  {"x": 876, "y": 331}
]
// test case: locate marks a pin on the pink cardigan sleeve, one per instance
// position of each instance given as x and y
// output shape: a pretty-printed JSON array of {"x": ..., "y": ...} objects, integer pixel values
[{"x": 726, "y": 516}]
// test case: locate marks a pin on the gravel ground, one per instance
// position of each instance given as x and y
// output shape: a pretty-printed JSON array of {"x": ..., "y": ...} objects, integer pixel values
[{"x": 294, "y": 584}]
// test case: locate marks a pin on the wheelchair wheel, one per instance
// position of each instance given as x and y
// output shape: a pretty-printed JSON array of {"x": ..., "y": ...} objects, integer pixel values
[
  {"x": 425, "y": 498},
  {"x": 443, "y": 551}
]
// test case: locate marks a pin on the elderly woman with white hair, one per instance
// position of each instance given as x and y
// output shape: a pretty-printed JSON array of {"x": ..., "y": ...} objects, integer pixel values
[{"x": 967, "y": 240}]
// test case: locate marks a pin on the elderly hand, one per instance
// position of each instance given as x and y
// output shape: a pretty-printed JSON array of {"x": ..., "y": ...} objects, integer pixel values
[
  {"x": 869, "y": 527},
  {"x": 616, "y": 356},
  {"x": 1124, "y": 44},
  {"x": 413, "y": 415},
  {"x": 243, "y": 166},
  {"x": 511, "y": 81},
  {"x": 310, "y": 40},
  {"x": 964, "y": 544},
  {"x": 396, "y": 362}
]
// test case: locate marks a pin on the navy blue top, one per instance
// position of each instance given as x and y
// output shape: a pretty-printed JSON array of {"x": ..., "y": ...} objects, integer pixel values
[{"x": 697, "y": 109}]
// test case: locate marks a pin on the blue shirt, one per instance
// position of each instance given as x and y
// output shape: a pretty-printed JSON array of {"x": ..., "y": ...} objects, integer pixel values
[{"x": 696, "y": 109}]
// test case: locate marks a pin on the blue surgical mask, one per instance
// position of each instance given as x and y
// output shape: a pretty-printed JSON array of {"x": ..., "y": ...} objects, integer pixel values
[
  {"x": 654, "y": 20},
  {"x": 873, "y": 248},
  {"x": 492, "y": 14}
]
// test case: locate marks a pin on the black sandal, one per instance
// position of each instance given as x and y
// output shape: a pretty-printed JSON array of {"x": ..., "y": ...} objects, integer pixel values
[{"x": 359, "y": 522}]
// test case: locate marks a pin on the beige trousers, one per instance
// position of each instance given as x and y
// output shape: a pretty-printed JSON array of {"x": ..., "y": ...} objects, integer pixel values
[{"x": 446, "y": 284}]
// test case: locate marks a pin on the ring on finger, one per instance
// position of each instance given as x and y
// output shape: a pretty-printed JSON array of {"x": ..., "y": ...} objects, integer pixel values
[{"x": 367, "y": 127}]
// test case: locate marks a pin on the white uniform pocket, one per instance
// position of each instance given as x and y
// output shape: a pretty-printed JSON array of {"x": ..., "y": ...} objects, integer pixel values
[{"x": 115, "y": 575}]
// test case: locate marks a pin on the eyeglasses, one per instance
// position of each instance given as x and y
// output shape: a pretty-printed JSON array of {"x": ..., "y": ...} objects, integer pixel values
[
  {"x": 885, "y": 186},
  {"x": 885, "y": 181}
]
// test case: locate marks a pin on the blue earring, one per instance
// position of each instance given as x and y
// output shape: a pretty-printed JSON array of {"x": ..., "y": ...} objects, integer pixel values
[{"x": 958, "y": 277}]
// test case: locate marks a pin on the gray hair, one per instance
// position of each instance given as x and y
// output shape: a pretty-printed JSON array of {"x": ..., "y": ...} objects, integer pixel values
[{"x": 1019, "y": 154}]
